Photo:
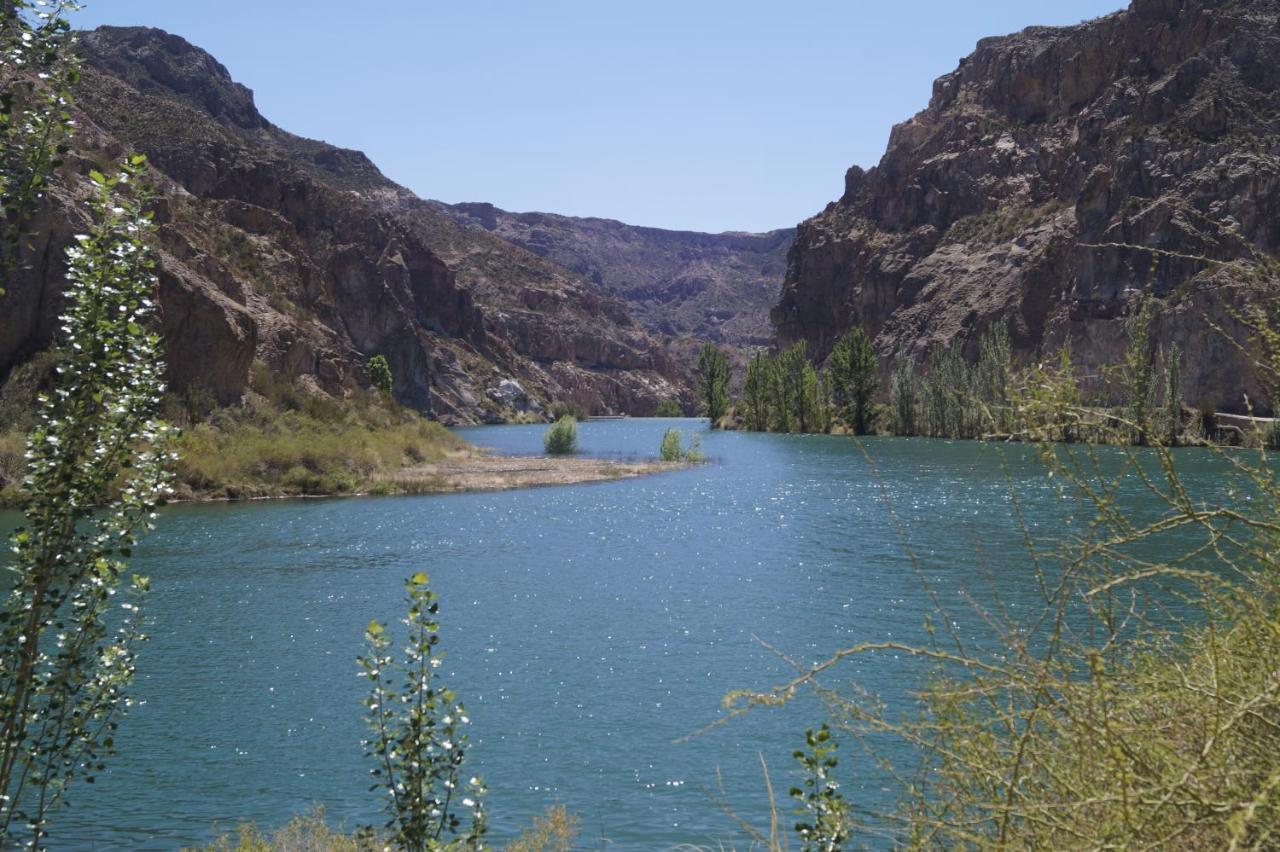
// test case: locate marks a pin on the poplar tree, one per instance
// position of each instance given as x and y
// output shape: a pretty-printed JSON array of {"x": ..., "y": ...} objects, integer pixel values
[
  {"x": 712, "y": 376},
  {"x": 853, "y": 367},
  {"x": 754, "y": 405}
]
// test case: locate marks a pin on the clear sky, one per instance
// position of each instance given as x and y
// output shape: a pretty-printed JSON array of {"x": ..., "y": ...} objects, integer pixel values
[{"x": 702, "y": 114}]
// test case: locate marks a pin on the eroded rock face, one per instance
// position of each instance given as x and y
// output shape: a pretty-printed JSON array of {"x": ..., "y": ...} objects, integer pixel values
[
  {"x": 1055, "y": 175},
  {"x": 302, "y": 257},
  {"x": 709, "y": 286}
]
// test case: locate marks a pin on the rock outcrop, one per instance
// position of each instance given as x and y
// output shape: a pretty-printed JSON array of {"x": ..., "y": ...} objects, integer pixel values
[
  {"x": 305, "y": 259},
  {"x": 1056, "y": 175}
]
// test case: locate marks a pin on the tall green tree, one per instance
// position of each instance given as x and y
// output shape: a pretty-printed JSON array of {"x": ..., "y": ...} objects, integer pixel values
[
  {"x": 791, "y": 367},
  {"x": 1171, "y": 419},
  {"x": 991, "y": 378},
  {"x": 853, "y": 366},
  {"x": 1139, "y": 371},
  {"x": 822, "y": 412},
  {"x": 904, "y": 394},
  {"x": 810, "y": 414},
  {"x": 754, "y": 406},
  {"x": 98, "y": 464},
  {"x": 712, "y": 376}
]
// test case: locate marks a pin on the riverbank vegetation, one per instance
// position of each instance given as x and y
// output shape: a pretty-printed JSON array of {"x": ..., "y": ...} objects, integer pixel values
[
  {"x": 668, "y": 408},
  {"x": 281, "y": 441},
  {"x": 286, "y": 441},
  {"x": 991, "y": 398}
]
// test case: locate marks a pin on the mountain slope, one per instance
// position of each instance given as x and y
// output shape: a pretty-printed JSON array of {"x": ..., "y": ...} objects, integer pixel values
[
  {"x": 1055, "y": 175},
  {"x": 710, "y": 286},
  {"x": 303, "y": 257}
]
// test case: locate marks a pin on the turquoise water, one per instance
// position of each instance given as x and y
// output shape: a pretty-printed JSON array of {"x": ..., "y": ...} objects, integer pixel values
[{"x": 588, "y": 629}]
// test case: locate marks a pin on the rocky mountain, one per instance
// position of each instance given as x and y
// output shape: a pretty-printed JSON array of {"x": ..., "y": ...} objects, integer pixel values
[
  {"x": 716, "y": 287},
  {"x": 300, "y": 258},
  {"x": 1054, "y": 176}
]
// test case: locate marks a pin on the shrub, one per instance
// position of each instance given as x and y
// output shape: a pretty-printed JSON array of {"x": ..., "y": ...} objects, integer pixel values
[
  {"x": 553, "y": 832},
  {"x": 380, "y": 374},
  {"x": 569, "y": 408},
  {"x": 562, "y": 438},
  {"x": 825, "y": 819},
  {"x": 307, "y": 833},
  {"x": 671, "y": 449},
  {"x": 668, "y": 408}
]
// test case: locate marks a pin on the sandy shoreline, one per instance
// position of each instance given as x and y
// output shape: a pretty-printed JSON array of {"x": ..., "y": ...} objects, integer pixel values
[
  {"x": 469, "y": 470},
  {"x": 476, "y": 471}
]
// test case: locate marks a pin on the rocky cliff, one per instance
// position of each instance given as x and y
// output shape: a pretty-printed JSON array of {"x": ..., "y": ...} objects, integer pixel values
[
  {"x": 1054, "y": 176},
  {"x": 303, "y": 258},
  {"x": 716, "y": 287}
]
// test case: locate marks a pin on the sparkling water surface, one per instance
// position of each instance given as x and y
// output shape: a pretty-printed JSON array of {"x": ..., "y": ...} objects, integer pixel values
[{"x": 589, "y": 629}]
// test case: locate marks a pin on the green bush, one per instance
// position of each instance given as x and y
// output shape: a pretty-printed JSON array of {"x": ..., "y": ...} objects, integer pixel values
[
  {"x": 380, "y": 374},
  {"x": 569, "y": 408},
  {"x": 671, "y": 449},
  {"x": 668, "y": 408},
  {"x": 562, "y": 438}
]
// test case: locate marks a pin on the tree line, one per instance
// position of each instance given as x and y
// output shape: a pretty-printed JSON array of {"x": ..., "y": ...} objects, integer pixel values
[{"x": 945, "y": 395}]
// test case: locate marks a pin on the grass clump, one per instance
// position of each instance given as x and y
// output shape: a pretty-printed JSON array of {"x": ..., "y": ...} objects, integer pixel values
[{"x": 562, "y": 438}]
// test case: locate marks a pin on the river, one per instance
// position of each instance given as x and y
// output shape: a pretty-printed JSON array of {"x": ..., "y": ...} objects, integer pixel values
[{"x": 589, "y": 629}]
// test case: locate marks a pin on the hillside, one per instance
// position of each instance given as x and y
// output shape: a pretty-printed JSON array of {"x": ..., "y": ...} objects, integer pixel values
[
  {"x": 1054, "y": 176},
  {"x": 716, "y": 287},
  {"x": 304, "y": 258}
]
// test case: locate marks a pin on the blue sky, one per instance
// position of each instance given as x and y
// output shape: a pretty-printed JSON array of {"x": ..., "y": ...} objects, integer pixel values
[{"x": 701, "y": 114}]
